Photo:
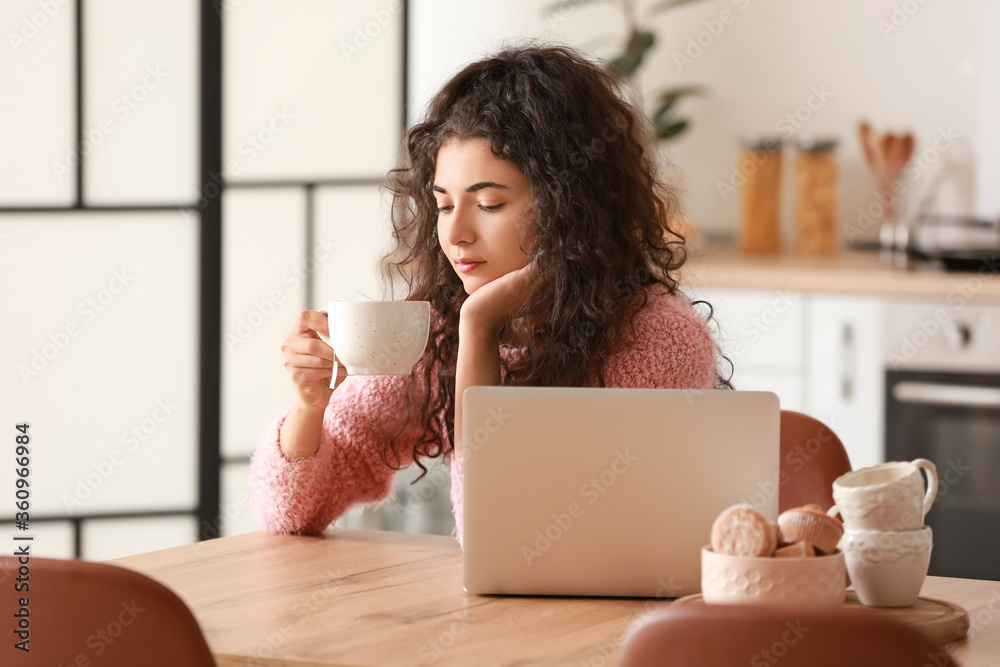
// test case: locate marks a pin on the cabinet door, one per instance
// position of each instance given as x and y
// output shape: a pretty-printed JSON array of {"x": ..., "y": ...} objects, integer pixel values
[
  {"x": 789, "y": 387},
  {"x": 761, "y": 333},
  {"x": 846, "y": 377}
]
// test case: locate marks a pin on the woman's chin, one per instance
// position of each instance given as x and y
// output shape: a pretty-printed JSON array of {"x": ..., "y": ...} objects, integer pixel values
[{"x": 472, "y": 284}]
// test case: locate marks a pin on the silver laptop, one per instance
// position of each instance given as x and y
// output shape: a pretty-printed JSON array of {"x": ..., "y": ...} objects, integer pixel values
[{"x": 607, "y": 492}]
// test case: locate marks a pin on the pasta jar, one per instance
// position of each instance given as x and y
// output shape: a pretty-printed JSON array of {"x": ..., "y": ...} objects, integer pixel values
[
  {"x": 760, "y": 166},
  {"x": 816, "y": 197}
]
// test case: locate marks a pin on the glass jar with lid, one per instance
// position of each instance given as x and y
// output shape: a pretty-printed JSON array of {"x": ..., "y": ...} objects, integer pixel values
[
  {"x": 816, "y": 230},
  {"x": 760, "y": 168}
]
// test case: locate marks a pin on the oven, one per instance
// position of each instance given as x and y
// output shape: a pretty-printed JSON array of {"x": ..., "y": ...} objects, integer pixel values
[{"x": 943, "y": 404}]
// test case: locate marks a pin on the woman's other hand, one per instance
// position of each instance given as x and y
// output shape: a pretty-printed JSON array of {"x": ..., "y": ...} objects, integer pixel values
[{"x": 493, "y": 305}]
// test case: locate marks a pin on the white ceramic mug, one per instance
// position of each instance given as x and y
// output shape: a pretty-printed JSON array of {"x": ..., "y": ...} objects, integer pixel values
[
  {"x": 887, "y": 568},
  {"x": 377, "y": 337},
  {"x": 887, "y": 496}
]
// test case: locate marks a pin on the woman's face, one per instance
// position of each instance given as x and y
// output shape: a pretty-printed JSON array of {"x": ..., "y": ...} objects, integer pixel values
[{"x": 483, "y": 204}]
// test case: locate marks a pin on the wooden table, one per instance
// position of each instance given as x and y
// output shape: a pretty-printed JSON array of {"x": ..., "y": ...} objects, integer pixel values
[{"x": 364, "y": 598}]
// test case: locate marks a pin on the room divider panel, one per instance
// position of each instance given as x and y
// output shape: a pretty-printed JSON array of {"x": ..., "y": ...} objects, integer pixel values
[{"x": 178, "y": 179}]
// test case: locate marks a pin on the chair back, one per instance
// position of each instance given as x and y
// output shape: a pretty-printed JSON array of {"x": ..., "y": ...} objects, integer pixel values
[
  {"x": 83, "y": 613},
  {"x": 724, "y": 635},
  {"x": 812, "y": 457}
]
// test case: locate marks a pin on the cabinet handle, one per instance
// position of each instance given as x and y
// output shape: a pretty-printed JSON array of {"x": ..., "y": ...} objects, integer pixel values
[
  {"x": 847, "y": 362},
  {"x": 946, "y": 394}
]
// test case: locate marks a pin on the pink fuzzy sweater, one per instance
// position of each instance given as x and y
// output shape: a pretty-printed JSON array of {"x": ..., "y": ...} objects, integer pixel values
[{"x": 673, "y": 349}]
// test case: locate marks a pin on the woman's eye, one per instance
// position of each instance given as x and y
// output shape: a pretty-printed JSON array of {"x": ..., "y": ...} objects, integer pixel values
[{"x": 448, "y": 208}]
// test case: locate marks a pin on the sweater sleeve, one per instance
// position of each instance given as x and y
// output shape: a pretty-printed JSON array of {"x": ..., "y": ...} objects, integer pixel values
[
  {"x": 306, "y": 495},
  {"x": 456, "y": 494},
  {"x": 673, "y": 348}
]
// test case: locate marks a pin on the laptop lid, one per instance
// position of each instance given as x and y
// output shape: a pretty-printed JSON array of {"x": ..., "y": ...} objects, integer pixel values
[{"x": 607, "y": 492}]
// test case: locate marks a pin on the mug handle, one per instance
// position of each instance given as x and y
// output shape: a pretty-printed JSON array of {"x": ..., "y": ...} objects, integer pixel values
[
  {"x": 932, "y": 482},
  {"x": 326, "y": 339}
]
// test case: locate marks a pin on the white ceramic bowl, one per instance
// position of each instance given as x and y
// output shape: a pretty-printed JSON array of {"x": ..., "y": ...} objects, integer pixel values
[{"x": 780, "y": 582}]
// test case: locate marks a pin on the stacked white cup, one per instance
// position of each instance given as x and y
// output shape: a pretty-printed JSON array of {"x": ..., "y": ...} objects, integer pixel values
[{"x": 887, "y": 547}]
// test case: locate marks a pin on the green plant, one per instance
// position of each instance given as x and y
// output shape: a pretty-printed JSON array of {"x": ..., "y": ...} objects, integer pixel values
[{"x": 638, "y": 42}]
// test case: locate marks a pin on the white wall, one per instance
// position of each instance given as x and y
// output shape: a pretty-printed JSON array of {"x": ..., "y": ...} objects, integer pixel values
[{"x": 762, "y": 65}]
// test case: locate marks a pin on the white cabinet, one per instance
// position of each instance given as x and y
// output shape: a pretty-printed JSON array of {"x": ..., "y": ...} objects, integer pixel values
[
  {"x": 846, "y": 374},
  {"x": 762, "y": 333},
  {"x": 822, "y": 354}
]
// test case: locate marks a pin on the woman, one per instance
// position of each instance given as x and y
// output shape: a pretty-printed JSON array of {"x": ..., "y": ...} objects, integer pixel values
[{"x": 528, "y": 212}]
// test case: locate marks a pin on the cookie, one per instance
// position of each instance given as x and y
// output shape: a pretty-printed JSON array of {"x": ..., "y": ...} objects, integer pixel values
[{"x": 741, "y": 530}]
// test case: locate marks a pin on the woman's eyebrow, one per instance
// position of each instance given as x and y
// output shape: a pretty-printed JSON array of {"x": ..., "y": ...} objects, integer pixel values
[{"x": 472, "y": 188}]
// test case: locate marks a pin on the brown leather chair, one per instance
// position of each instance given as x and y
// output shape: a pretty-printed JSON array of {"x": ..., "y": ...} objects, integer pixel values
[
  {"x": 107, "y": 614},
  {"x": 812, "y": 457},
  {"x": 722, "y": 635}
]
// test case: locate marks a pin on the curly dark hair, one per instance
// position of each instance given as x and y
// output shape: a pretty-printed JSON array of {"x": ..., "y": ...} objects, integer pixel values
[{"x": 600, "y": 215}]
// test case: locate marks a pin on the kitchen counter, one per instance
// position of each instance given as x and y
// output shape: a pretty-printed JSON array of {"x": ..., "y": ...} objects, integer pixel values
[{"x": 848, "y": 272}]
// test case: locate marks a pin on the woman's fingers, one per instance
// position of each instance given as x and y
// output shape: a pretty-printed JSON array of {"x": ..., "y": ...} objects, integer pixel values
[
  {"x": 309, "y": 375},
  {"x": 295, "y": 360},
  {"x": 308, "y": 346},
  {"x": 308, "y": 360},
  {"x": 311, "y": 321}
]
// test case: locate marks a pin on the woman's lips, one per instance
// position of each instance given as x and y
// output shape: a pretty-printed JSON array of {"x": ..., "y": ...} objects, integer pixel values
[{"x": 465, "y": 267}]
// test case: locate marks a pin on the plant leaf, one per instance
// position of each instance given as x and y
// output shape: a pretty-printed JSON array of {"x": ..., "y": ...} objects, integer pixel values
[
  {"x": 681, "y": 91},
  {"x": 662, "y": 110},
  {"x": 639, "y": 42},
  {"x": 668, "y": 131},
  {"x": 669, "y": 97}
]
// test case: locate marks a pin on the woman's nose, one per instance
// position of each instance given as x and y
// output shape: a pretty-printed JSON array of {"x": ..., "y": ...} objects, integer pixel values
[{"x": 461, "y": 229}]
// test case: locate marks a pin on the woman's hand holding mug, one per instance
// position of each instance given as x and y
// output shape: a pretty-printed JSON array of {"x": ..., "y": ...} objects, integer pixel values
[{"x": 310, "y": 362}]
